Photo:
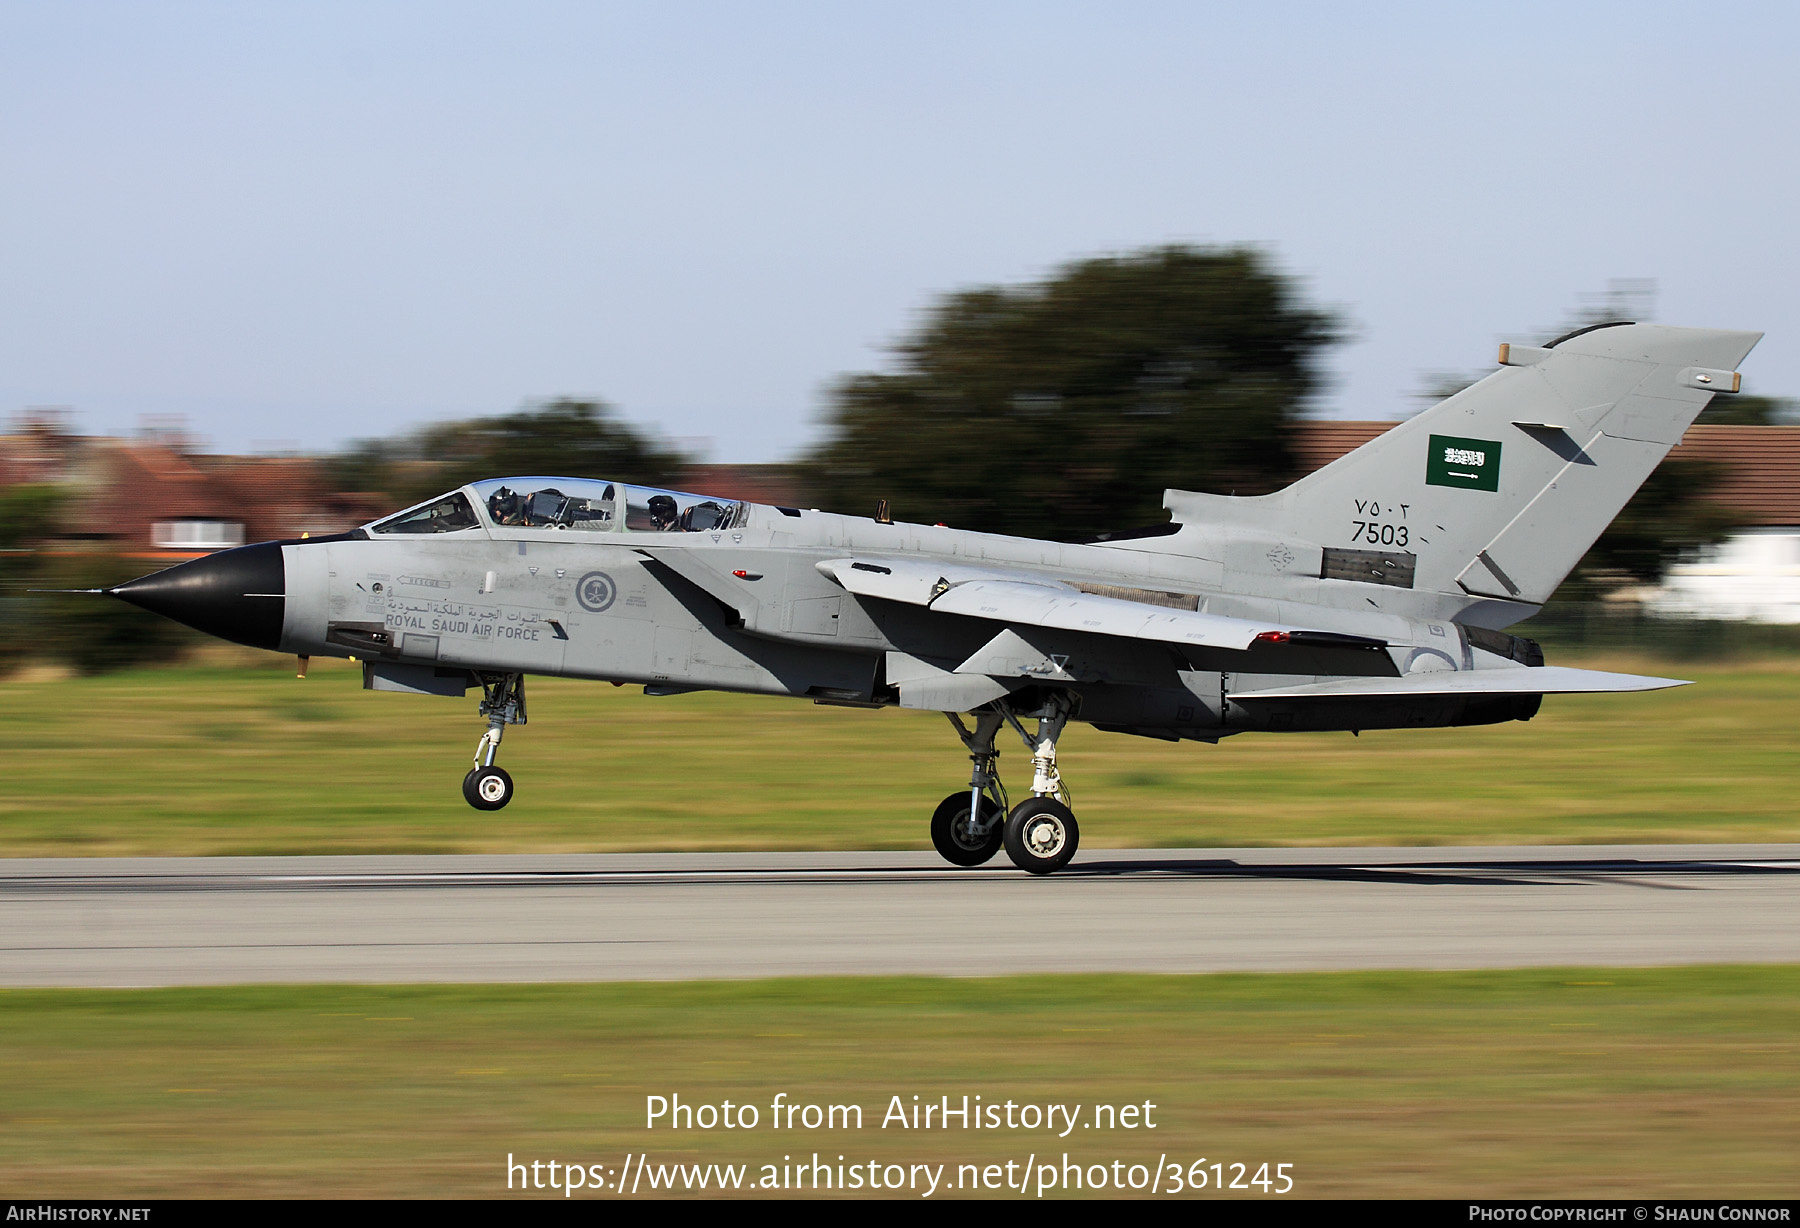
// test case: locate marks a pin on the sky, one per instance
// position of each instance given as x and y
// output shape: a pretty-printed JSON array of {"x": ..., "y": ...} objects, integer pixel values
[{"x": 299, "y": 224}]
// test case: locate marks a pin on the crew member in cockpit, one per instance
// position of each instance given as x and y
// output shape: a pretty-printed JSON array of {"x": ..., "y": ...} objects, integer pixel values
[
  {"x": 506, "y": 506},
  {"x": 664, "y": 516}
]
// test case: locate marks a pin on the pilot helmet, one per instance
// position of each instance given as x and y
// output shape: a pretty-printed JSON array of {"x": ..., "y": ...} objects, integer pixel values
[
  {"x": 662, "y": 511},
  {"x": 505, "y": 505}
]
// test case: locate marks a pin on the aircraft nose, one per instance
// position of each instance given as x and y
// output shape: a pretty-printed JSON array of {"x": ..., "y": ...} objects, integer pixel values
[{"x": 238, "y": 595}]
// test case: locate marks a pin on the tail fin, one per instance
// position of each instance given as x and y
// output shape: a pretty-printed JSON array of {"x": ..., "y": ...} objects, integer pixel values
[{"x": 1499, "y": 491}]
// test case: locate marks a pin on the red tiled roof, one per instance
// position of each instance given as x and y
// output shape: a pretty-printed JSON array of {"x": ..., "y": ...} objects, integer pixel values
[
  {"x": 1760, "y": 482},
  {"x": 772, "y": 484},
  {"x": 141, "y": 483},
  {"x": 35, "y": 456},
  {"x": 1761, "y": 464},
  {"x": 1317, "y": 443}
]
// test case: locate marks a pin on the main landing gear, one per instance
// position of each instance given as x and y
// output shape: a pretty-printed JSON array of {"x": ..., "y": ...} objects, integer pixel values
[
  {"x": 488, "y": 786},
  {"x": 1040, "y": 833}
]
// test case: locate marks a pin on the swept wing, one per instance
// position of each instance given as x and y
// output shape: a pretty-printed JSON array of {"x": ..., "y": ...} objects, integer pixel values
[{"x": 1026, "y": 599}]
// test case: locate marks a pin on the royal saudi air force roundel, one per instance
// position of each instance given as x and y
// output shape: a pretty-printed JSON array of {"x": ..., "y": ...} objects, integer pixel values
[{"x": 595, "y": 591}]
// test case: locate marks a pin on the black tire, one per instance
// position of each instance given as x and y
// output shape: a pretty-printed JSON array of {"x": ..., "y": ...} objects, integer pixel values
[
  {"x": 1041, "y": 835},
  {"x": 488, "y": 788},
  {"x": 950, "y": 831}
]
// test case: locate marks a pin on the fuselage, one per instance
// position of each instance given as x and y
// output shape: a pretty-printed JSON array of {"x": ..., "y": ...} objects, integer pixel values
[{"x": 714, "y": 594}]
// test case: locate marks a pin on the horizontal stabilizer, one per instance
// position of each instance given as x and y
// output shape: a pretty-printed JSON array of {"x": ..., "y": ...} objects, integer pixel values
[{"x": 1539, "y": 680}]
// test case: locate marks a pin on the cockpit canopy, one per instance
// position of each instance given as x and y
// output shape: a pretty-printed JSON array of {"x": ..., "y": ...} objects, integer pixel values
[{"x": 579, "y": 504}]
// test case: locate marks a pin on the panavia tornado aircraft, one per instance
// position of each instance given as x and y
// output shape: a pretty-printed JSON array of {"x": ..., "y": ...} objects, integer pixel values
[{"x": 1371, "y": 594}]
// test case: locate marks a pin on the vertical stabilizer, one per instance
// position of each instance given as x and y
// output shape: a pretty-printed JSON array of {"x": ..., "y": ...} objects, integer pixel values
[{"x": 1498, "y": 491}]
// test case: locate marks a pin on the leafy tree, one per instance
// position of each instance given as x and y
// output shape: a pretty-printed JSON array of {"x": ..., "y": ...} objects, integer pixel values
[
  {"x": 29, "y": 514},
  {"x": 87, "y": 632},
  {"x": 564, "y": 437},
  {"x": 93, "y": 634},
  {"x": 1745, "y": 409},
  {"x": 1063, "y": 409}
]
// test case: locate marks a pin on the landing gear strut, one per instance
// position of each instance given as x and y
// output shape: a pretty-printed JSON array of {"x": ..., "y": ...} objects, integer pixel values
[
  {"x": 966, "y": 829},
  {"x": 1040, "y": 834},
  {"x": 488, "y": 786}
]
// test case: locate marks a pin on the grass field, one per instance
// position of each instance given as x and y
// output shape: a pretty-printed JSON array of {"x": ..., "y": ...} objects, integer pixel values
[
  {"x": 244, "y": 758},
  {"x": 1579, "y": 1083}
]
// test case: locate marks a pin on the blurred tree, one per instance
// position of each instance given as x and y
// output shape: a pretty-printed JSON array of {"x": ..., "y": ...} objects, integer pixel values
[
  {"x": 29, "y": 514},
  {"x": 365, "y": 465},
  {"x": 87, "y": 632},
  {"x": 1745, "y": 409},
  {"x": 564, "y": 437},
  {"x": 93, "y": 634},
  {"x": 1063, "y": 409}
]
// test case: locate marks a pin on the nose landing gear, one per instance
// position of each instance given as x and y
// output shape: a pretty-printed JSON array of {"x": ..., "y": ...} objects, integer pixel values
[{"x": 488, "y": 786}]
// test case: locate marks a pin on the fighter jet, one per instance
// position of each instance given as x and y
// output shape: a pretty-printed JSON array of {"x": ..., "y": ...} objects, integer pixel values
[{"x": 1374, "y": 593}]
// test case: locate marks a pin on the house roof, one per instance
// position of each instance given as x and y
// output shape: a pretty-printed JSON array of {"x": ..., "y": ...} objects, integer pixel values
[
  {"x": 1761, "y": 469},
  {"x": 772, "y": 484}
]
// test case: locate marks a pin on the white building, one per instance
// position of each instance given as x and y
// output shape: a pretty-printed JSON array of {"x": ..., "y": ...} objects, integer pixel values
[{"x": 1754, "y": 576}]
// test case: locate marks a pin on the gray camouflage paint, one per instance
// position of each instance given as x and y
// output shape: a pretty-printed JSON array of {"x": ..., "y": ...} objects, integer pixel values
[{"x": 846, "y": 609}]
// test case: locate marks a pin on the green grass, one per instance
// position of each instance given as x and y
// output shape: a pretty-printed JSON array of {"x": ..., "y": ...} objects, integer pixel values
[
  {"x": 1574, "y": 1083},
  {"x": 244, "y": 758}
]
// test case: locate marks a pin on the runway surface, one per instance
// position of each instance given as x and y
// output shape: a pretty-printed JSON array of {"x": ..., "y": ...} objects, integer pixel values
[
  {"x": 192, "y": 921},
  {"x": 198, "y": 921}
]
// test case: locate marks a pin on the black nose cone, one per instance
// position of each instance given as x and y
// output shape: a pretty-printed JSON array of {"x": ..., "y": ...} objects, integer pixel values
[{"x": 238, "y": 595}]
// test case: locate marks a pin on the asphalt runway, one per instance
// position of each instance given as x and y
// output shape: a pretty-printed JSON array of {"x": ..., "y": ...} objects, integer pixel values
[{"x": 194, "y": 921}]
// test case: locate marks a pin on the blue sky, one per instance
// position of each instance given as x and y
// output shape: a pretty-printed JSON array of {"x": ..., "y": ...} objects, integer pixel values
[{"x": 297, "y": 224}]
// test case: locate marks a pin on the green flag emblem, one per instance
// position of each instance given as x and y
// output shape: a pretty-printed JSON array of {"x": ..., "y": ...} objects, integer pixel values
[{"x": 1470, "y": 463}]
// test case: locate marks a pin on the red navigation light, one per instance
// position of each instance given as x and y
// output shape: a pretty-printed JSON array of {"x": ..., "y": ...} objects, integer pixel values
[{"x": 1272, "y": 637}]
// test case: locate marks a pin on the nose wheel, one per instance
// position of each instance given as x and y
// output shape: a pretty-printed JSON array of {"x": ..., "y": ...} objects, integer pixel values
[{"x": 488, "y": 786}]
